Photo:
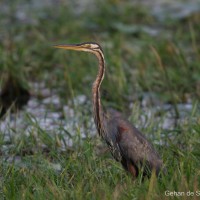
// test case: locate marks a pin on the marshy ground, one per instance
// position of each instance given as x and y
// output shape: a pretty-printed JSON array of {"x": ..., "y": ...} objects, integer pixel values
[{"x": 49, "y": 147}]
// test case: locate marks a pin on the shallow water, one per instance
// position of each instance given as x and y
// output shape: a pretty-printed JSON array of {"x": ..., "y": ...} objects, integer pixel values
[
  {"x": 161, "y": 9},
  {"x": 76, "y": 117}
]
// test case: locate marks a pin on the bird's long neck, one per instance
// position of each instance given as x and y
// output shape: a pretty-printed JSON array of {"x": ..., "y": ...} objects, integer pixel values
[{"x": 97, "y": 108}]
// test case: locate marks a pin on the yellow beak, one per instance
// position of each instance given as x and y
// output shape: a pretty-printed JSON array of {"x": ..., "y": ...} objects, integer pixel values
[{"x": 76, "y": 47}]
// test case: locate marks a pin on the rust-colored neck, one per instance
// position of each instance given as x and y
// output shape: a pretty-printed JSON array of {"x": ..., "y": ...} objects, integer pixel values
[{"x": 96, "y": 96}]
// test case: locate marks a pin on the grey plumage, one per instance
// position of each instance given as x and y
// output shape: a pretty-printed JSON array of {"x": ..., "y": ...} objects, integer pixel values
[{"x": 126, "y": 143}]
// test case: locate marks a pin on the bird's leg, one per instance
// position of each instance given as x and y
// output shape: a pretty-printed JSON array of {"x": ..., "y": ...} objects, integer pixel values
[
  {"x": 129, "y": 167},
  {"x": 132, "y": 169}
]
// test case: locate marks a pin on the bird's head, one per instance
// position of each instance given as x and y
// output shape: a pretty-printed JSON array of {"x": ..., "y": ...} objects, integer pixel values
[{"x": 86, "y": 46}]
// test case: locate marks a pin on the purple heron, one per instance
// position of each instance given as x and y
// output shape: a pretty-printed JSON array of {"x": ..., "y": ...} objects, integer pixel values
[{"x": 127, "y": 144}]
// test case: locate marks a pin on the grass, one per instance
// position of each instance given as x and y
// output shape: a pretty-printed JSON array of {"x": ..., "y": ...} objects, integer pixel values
[
  {"x": 85, "y": 174},
  {"x": 34, "y": 166}
]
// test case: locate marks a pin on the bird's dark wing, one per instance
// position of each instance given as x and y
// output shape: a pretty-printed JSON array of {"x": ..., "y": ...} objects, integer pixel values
[
  {"x": 129, "y": 143},
  {"x": 136, "y": 148}
]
